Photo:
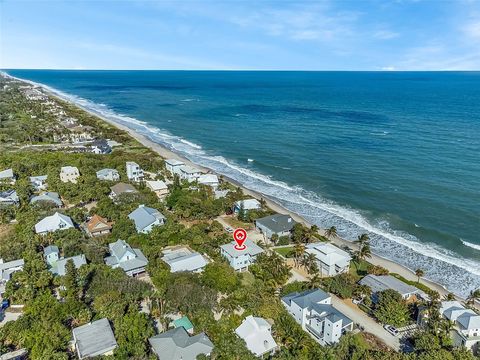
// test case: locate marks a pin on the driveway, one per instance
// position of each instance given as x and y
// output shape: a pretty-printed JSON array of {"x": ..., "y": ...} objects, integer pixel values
[{"x": 9, "y": 316}]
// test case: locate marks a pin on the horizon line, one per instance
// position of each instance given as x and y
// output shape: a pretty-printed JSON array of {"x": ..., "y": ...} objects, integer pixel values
[{"x": 237, "y": 70}]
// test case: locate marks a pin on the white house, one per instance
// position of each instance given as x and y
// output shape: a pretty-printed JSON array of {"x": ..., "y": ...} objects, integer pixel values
[
  {"x": 8, "y": 268},
  {"x": 53, "y": 223},
  {"x": 240, "y": 260},
  {"x": 39, "y": 182},
  {"x": 123, "y": 256},
  {"x": 208, "y": 180},
  {"x": 184, "y": 259},
  {"x": 108, "y": 174},
  {"x": 173, "y": 166},
  {"x": 466, "y": 324},
  {"x": 189, "y": 173},
  {"x": 145, "y": 218},
  {"x": 69, "y": 174},
  {"x": 7, "y": 176},
  {"x": 257, "y": 334},
  {"x": 57, "y": 264},
  {"x": 158, "y": 187},
  {"x": 313, "y": 310},
  {"x": 247, "y": 204},
  {"x": 134, "y": 171},
  {"x": 331, "y": 260},
  {"x": 278, "y": 224},
  {"x": 8, "y": 198}
]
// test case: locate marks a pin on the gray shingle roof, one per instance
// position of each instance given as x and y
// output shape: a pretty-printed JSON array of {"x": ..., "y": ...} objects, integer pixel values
[
  {"x": 118, "y": 249},
  {"x": 51, "y": 249},
  {"x": 121, "y": 188},
  {"x": 47, "y": 196},
  {"x": 384, "y": 282},
  {"x": 277, "y": 223},
  {"x": 306, "y": 298},
  {"x": 144, "y": 216},
  {"x": 176, "y": 344},
  {"x": 59, "y": 267},
  {"x": 94, "y": 339},
  {"x": 106, "y": 172}
]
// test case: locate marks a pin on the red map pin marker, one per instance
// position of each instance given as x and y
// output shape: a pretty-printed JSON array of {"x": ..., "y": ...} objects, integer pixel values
[{"x": 240, "y": 235}]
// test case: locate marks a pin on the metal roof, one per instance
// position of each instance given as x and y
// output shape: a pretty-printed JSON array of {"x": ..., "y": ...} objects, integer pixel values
[
  {"x": 277, "y": 223},
  {"x": 176, "y": 344},
  {"x": 380, "y": 283},
  {"x": 94, "y": 339}
]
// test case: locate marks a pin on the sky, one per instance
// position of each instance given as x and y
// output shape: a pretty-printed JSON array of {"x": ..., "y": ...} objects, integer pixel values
[{"x": 373, "y": 35}]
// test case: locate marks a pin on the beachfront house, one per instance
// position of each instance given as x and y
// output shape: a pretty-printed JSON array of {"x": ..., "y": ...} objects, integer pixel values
[
  {"x": 257, "y": 334},
  {"x": 57, "y": 264},
  {"x": 134, "y": 171},
  {"x": 313, "y": 310},
  {"x": 466, "y": 324},
  {"x": 208, "y": 180},
  {"x": 240, "y": 260},
  {"x": 8, "y": 198},
  {"x": 108, "y": 175},
  {"x": 94, "y": 339},
  {"x": 379, "y": 283},
  {"x": 7, "y": 177},
  {"x": 69, "y": 174},
  {"x": 177, "y": 344},
  {"x": 145, "y": 218},
  {"x": 39, "y": 182},
  {"x": 189, "y": 173},
  {"x": 100, "y": 146},
  {"x": 182, "y": 258},
  {"x": 98, "y": 226},
  {"x": 331, "y": 260},
  {"x": 51, "y": 198},
  {"x": 158, "y": 187},
  {"x": 277, "y": 224},
  {"x": 123, "y": 256},
  {"x": 121, "y": 189},
  {"x": 53, "y": 223},
  {"x": 247, "y": 205},
  {"x": 173, "y": 166}
]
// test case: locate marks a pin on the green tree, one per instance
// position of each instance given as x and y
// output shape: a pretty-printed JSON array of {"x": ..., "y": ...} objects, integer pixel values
[
  {"x": 419, "y": 273},
  {"x": 391, "y": 308},
  {"x": 331, "y": 232}
]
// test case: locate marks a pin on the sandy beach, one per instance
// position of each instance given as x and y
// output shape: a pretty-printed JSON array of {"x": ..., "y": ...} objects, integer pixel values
[{"x": 167, "y": 154}]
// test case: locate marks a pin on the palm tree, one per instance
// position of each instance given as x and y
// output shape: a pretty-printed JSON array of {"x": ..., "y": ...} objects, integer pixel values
[
  {"x": 315, "y": 281},
  {"x": 310, "y": 263},
  {"x": 419, "y": 273},
  {"x": 449, "y": 297},
  {"x": 331, "y": 232},
  {"x": 299, "y": 251},
  {"x": 363, "y": 252},
  {"x": 473, "y": 296},
  {"x": 362, "y": 239}
]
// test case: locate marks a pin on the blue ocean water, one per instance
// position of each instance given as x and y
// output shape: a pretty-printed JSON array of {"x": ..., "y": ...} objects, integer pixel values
[{"x": 396, "y": 154}]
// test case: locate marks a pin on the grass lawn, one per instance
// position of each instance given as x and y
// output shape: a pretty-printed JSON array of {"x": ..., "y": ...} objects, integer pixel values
[
  {"x": 235, "y": 223},
  {"x": 286, "y": 251},
  {"x": 359, "y": 269}
]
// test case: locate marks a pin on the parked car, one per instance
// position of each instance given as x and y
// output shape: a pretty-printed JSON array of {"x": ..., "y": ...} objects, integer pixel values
[
  {"x": 357, "y": 301},
  {"x": 392, "y": 330},
  {"x": 5, "y": 304},
  {"x": 228, "y": 229}
]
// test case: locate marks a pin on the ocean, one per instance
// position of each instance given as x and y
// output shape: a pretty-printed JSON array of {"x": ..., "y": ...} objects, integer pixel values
[{"x": 394, "y": 154}]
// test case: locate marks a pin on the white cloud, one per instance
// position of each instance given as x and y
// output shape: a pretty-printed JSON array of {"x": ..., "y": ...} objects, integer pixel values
[
  {"x": 472, "y": 30},
  {"x": 385, "y": 35}
]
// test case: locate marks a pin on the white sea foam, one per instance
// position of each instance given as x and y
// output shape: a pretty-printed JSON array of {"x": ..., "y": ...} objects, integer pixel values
[
  {"x": 470, "y": 245},
  {"x": 441, "y": 265},
  {"x": 250, "y": 160}
]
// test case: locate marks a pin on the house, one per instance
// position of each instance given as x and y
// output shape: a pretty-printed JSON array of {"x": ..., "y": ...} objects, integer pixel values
[
  {"x": 8, "y": 268},
  {"x": 47, "y": 197},
  {"x": 120, "y": 189},
  {"x": 173, "y": 166},
  {"x": 331, "y": 260},
  {"x": 240, "y": 260},
  {"x": 108, "y": 174},
  {"x": 184, "y": 322},
  {"x": 220, "y": 193},
  {"x": 184, "y": 259},
  {"x": 145, "y": 218},
  {"x": 176, "y": 344},
  {"x": 257, "y": 334},
  {"x": 132, "y": 261},
  {"x": 208, "y": 180},
  {"x": 134, "y": 172},
  {"x": 94, "y": 339},
  {"x": 278, "y": 224},
  {"x": 98, "y": 226},
  {"x": 20, "y": 354},
  {"x": 57, "y": 264},
  {"x": 466, "y": 324},
  {"x": 100, "y": 146},
  {"x": 7, "y": 176},
  {"x": 8, "y": 198},
  {"x": 313, "y": 310},
  {"x": 39, "y": 182},
  {"x": 53, "y": 223},
  {"x": 248, "y": 204},
  {"x": 378, "y": 283},
  {"x": 69, "y": 174},
  {"x": 158, "y": 187},
  {"x": 189, "y": 173}
]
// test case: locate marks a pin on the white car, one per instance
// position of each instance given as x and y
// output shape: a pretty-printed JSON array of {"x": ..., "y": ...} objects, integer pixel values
[
  {"x": 391, "y": 330},
  {"x": 228, "y": 229}
]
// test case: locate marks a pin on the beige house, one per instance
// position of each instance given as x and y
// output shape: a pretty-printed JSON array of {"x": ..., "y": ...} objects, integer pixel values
[
  {"x": 158, "y": 187},
  {"x": 69, "y": 174}
]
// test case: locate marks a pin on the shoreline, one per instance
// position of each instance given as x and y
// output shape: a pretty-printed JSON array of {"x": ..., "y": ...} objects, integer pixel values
[{"x": 165, "y": 153}]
